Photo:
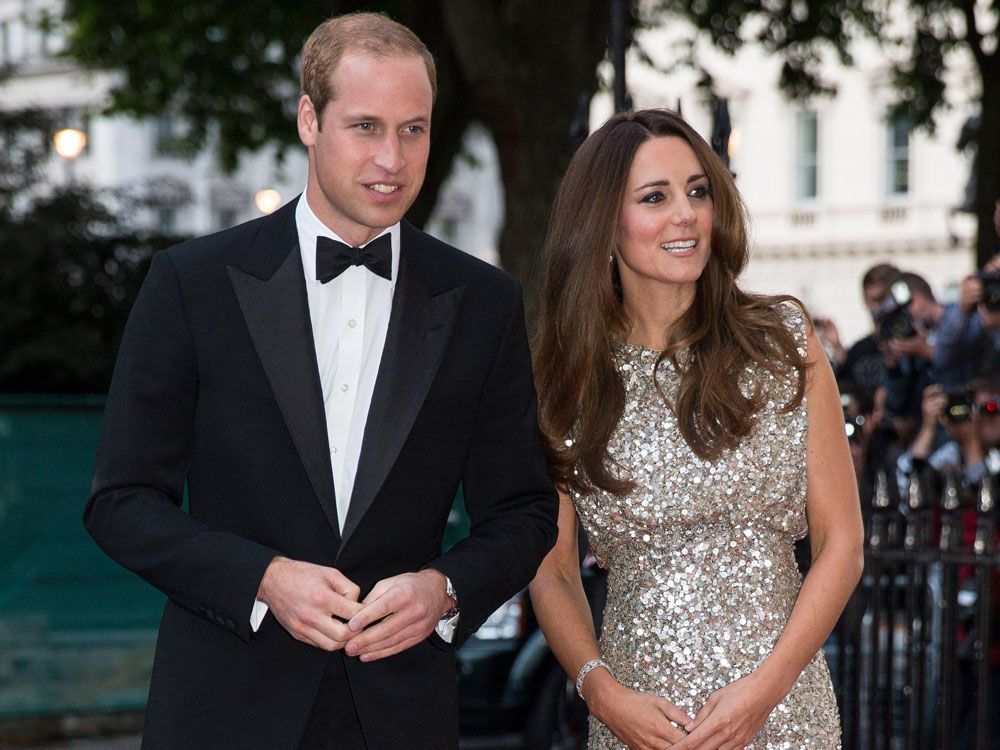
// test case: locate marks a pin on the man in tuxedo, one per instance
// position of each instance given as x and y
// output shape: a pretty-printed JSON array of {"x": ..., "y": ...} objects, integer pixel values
[{"x": 322, "y": 381}]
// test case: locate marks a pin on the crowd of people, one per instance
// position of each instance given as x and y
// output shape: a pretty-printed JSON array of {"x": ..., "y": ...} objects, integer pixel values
[
  {"x": 921, "y": 401},
  {"x": 921, "y": 392}
]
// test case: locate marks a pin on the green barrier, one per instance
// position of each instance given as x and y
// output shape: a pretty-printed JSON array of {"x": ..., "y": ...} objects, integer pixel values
[{"x": 76, "y": 631}]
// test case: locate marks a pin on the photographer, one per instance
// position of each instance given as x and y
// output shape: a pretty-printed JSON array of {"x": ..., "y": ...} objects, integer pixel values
[
  {"x": 959, "y": 431},
  {"x": 905, "y": 330},
  {"x": 968, "y": 335},
  {"x": 981, "y": 454},
  {"x": 863, "y": 362}
]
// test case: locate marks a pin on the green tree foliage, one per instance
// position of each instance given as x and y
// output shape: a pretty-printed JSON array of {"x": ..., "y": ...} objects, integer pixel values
[
  {"x": 919, "y": 36},
  {"x": 69, "y": 270},
  {"x": 516, "y": 66}
]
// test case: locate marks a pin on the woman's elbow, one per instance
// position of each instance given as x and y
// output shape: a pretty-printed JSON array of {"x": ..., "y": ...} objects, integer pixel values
[{"x": 855, "y": 565}]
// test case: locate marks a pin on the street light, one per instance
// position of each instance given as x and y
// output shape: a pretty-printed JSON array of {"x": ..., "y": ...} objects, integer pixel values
[
  {"x": 267, "y": 200},
  {"x": 734, "y": 143},
  {"x": 69, "y": 143}
]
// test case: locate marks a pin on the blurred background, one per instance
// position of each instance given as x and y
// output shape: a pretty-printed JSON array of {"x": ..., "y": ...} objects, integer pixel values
[{"x": 864, "y": 136}]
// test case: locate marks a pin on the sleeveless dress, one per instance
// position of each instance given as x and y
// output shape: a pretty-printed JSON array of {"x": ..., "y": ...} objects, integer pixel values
[{"x": 701, "y": 571}]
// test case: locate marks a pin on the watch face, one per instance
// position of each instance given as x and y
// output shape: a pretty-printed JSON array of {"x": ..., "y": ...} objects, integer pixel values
[{"x": 449, "y": 589}]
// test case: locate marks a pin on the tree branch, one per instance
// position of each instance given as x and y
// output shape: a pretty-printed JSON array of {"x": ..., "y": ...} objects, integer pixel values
[{"x": 972, "y": 35}]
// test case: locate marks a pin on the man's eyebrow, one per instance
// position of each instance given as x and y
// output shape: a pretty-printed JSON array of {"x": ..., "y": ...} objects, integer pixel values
[{"x": 363, "y": 117}]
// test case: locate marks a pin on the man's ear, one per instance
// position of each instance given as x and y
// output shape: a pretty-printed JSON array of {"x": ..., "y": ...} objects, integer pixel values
[{"x": 308, "y": 121}]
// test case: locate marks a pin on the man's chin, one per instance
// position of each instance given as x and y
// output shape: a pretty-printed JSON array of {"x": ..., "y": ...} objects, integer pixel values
[{"x": 380, "y": 218}]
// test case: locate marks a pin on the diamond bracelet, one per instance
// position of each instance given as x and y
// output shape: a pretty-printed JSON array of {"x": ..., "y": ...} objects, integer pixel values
[{"x": 587, "y": 669}]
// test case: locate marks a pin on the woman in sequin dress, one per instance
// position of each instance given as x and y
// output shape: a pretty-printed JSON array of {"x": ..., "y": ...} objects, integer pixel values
[{"x": 696, "y": 432}]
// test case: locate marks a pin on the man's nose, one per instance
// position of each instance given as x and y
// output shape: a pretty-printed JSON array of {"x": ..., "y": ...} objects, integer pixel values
[{"x": 390, "y": 154}]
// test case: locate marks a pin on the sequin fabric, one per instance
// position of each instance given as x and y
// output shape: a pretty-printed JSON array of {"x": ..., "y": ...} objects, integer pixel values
[{"x": 701, "y": 570}]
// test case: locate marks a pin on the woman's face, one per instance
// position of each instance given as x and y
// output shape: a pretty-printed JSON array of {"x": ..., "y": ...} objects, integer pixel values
[{"x": 666, "y": 220}]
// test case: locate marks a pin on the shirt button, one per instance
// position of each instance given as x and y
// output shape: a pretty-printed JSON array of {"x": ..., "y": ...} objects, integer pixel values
[
  {"x": 352, "y": 322},
  {"x": 333, "y": 451},
  {"x": 344, "y": 387}
]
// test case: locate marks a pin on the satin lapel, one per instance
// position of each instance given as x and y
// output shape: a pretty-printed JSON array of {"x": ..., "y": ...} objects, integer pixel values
[
  {"x": 419, "y": 328},
  {"x": 277, "y": 314}
]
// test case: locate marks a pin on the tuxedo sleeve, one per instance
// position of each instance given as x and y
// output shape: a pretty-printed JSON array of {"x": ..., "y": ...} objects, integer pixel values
[
  {"x": 134, "y": 512},
  {"x": 512, "y": 504}
]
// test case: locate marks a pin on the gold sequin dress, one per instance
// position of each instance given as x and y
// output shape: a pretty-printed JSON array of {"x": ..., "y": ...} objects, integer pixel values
[{"x": 701, "y": 571}]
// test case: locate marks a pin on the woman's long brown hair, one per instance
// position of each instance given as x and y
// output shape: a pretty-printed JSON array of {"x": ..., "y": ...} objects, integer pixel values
[{"x": 724, "y": 330}]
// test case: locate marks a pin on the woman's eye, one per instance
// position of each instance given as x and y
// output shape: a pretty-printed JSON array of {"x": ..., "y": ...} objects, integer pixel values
[
  {"x": 700, "y": 191},
  {"x": 652, "y": 197}
]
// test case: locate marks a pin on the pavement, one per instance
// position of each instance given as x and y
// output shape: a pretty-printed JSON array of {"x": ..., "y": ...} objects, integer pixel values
[
  {"x": 132, "y": 743},
  {"x": 106, "y": 743}
]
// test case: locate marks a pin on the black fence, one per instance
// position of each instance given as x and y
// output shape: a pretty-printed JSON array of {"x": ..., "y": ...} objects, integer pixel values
[{"x": 911, "y": 658}]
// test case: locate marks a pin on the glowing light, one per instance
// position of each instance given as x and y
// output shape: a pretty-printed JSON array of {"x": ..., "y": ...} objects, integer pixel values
[
  {"x": 733, "y": 147},
  {"x": 70, "y": 142},
  {"x": 267, "y": 200}
]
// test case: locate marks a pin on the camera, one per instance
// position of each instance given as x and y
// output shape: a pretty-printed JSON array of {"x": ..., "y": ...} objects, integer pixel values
[
  {"x": 991, "y": 290},
  {"x": 959, "y": 408},
  {"x": 894, "y": 321}
]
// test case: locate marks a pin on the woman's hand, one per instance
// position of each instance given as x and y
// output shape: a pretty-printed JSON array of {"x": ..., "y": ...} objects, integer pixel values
[
  {"x": 640, "y": 720},
  {"x": 732, "y": 716}
]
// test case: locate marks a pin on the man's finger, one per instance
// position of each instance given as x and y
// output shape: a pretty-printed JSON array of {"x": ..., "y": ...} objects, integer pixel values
[
  {"x": 371, "y": 612},
  {"x": 377, "y": 641},
  {"x": 317, "y": 638},
  {"x": 344, "y": 607},
  {"x": 342, "y": 584},
  {"x": 389, "y": 628},
  {"x": 398, "y": 648},
  {"x": 338, "y": 631},
  {"x": 378, "y": 590}
]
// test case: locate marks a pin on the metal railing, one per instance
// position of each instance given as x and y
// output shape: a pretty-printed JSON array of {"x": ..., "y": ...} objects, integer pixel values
[{"x": 911, "y": 656}]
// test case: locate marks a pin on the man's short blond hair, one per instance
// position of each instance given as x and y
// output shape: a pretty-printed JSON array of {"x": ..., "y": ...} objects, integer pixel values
[{"x": 374, "y": 33}]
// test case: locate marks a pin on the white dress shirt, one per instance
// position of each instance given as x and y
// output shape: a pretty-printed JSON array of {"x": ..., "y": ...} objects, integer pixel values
[{"x": 350, "y": 319}]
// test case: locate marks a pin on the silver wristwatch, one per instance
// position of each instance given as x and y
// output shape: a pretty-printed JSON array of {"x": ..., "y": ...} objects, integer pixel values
[
  {"x": 449, "y": 589},
  {"x": 446, "y": 625}
]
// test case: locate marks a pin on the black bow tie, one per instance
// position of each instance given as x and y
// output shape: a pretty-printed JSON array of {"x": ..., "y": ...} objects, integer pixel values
[{"x": 333, "y": 257}]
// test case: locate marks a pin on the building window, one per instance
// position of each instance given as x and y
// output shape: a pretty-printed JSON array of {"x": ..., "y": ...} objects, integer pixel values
[
  {"x": 166, "y": 134},
  {"x": 167, "y": 220},
  {"x": 6, "y": 53},
  {"x": 85, "y": 126},
  {"x": 806, "y": 166},
  {"x": 897, "y": 156}
]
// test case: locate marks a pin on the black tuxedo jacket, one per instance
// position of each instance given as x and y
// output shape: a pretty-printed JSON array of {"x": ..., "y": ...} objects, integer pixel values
[{"x": 217, "y": 386}]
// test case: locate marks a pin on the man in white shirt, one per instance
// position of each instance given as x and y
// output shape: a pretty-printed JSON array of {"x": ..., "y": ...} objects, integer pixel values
[{"x": 322, "y": 381}]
